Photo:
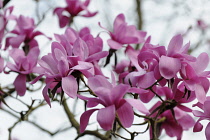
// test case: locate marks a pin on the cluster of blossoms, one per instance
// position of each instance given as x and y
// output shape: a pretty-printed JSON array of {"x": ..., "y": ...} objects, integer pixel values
[{"x": 168, "y": 77}]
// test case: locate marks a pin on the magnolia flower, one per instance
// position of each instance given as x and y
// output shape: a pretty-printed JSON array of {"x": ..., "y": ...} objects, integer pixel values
[
  {"x": 171, "y": 63},
  {"x": 24, "y": 30},
  {"x": 111, "y": 97},
  {"x": 124, "y": 34},
  {"x": 56, "y": 68},
  {"x": 73, "y": 8},
  {"x": 24, "y": 65}
]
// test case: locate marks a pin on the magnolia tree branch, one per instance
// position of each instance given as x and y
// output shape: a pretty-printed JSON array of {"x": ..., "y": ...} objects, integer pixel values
[{"x": 76, "y": 125}]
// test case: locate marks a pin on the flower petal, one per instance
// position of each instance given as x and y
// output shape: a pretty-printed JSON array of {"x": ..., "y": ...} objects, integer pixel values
[
  {"x": 69, "y": 85},
  {"x": 20, "y": 84},
  {"x": 106, "y": 116},
  {"x": 169, "y": 66},
  {"x": 125, "y": 114},
  {"x": 84, "y": 119}
]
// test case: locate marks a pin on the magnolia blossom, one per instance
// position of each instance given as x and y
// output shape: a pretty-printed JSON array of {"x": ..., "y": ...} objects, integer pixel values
[
  {"x": 24, "y": 31},
  {"x": 73, "y": 8},
  {"x": 111, "y": 97},
  {"x": 24, "y": 65},
  {"x": 124, "y": 34}
]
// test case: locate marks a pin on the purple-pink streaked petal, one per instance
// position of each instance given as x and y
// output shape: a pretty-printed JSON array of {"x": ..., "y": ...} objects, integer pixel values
[
  {"x": 106, "y": 116},
  {"x": 175, "y": 44},
  {"x": 20, "y": 84},
  {"x": 137, "y": 104},
  {"x": 69, "y": 86},
  {"x": 118, "y": 92},
  {"x": 80, "y": 49},
  {"x": 97, "y": 56},
  {"x": 99, "y": 81},
  {"x": 125, "y": 114},
  {"x": 84, "y": 119},
  {"x": 200, "y": 93}
]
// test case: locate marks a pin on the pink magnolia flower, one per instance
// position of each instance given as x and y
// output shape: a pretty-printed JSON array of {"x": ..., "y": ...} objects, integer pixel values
[
  {"x": 205, "y": 115},
  {"x": 24, "y": 65},
  {"x": 73, "y": 8},
  {"x": 56, "y": 68},
  {"x": 24, "y": 30},
  {"x": 195, "y": 78},
  {"x": 83, "y": 50},
  {"x": 111, "y": 97},
  {"x": 124, "y": 34},
  {"x": 171, "y": 64}
]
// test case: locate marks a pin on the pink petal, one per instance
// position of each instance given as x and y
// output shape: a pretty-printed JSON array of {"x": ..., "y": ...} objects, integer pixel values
[
  {"x": 201, "y": 63},
  {"x": 198, "y": 113},
  {"x": 80, "y": 49},
  {"x": 98, "y": 81},
  {"x": 186, "y": 122},
  {"x": 197, "y": 127},
  {"x": 175, "y": 45},
  {"x": 20, "y": 84},
  {"x": 207, "y": 132},
  {"x": 200, "y": 93},
  {"x": 58, "y": 51},
  {"x": 125, "y": 114},
  {"x": 118, "y": 92},
  {"x": 106, "y": 116},
  {"x": 206, "y": 108},
  {"x": 97, "y": 56},
  {"x": 169, "y": 66},
  {"x": 137, "y": 104},
  {"x": 114, "y": 45},
  {"x": 146, "y": 80},
  {"x": 69, "y": 86},
  {"x": 45, "y": 94},
  {"x": 84, "y": 119},
  {"x": 16, "y": 41},
  {"x": 120, "y": 19}
]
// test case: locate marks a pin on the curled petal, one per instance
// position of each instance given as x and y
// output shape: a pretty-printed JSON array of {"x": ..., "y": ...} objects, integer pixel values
[
  {"x": 169, "y": 66},
  {"x": 84, "y": 119}
]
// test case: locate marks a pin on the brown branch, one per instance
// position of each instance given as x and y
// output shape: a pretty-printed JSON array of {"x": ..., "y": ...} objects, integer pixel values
[{"x": 139, "y": 12}]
